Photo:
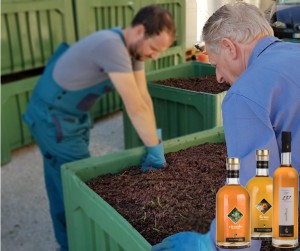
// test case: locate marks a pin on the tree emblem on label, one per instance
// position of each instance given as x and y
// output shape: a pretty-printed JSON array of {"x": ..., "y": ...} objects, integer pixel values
[
  {"x": 235, "y": 215},
  {"x": 263, "y": 206}
]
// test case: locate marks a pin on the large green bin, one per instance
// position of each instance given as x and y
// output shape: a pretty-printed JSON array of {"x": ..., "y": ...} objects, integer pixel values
[
  {"x": 93, "y": 225},
  {"x": 31, "y": 31},
  {"x": 14, "y": 131},
  {"x": 179, "y": 112}
]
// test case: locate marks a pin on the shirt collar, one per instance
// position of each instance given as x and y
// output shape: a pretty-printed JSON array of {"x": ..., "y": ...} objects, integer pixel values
[{"x": 263, "y": 44}]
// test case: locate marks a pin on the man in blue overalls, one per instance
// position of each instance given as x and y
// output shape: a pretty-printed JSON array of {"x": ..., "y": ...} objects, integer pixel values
[
  {"x": 263, "y": 100},
  {"x": 76, "y": 76}
]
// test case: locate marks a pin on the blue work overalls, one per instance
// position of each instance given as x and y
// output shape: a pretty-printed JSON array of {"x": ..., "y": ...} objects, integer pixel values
[{"x": 59, "y": 123}]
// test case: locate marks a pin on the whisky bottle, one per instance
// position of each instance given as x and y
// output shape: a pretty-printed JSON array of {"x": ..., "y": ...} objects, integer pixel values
[
  {"x": 260, "y": 189},
  {"x": 233, "y": 210},
  {"x": 285, "y": 196}
]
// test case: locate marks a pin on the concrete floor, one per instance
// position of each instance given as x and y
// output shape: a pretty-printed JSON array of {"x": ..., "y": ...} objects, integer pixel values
[{"x": 25, "y": 219}]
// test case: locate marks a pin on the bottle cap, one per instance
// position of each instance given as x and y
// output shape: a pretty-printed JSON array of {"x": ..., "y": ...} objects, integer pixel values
[
  {"x": 286, "y": 141},
  {"x": 262, "y": 159},
  {"x": 262, "y": 152},
  {"x": 232, "y": 163}
]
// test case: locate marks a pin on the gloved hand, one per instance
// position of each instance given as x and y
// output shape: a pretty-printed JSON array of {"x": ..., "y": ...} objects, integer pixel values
[
  {"x": 154, "y": 159},
  {"x": 185, "y": 241}
]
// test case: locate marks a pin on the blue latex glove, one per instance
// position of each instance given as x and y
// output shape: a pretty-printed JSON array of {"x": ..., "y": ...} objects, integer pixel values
[
  {"x": 185, "y": 241},
  {"x": 154, "y": 159},
  {"x": 159, "y": 133}
]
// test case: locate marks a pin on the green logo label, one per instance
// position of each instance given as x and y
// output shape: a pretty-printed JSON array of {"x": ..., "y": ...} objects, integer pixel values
[
  {"x": 235, "y": 215},
  {"x": 263, "y": 206}
]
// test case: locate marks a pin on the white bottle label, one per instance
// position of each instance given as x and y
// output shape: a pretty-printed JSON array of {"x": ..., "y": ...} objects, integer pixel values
[{"x": 286, "y": 211}]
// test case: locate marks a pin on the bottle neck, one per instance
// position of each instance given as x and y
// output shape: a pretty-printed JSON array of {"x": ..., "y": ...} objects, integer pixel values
[
  {"x": 233, "y": 177},
  {"x": 232, "y": 181},
  {"x": 262, "y": 168},
  {"x": 286, "y": 158}
]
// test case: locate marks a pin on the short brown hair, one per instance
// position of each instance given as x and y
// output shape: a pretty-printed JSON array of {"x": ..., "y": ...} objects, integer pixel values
[{"x": 155, "y": 20}]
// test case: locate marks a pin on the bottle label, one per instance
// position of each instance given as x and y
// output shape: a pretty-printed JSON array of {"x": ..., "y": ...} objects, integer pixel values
[
  {"x": 286, "y": 231},
  {"x": 263, "y": 206},
  {"x": 236, "y": 226},
  {"x": 233, "y": 174},
  {"x": 235, "y": 215},
  {"x": 232, "y": 239},
  {"x": 286, "y": 212},
  {"x": 263, "y": 230},
  {"x": 262, "y": 164}
]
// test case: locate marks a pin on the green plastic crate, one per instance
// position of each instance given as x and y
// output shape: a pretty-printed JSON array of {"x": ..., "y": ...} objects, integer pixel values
[
  {"x": 93, "y": 225},
  {"x": 179, "y": 112},
  {"x": 31, "y": 31},
  {"x": 14, "y": 131}
]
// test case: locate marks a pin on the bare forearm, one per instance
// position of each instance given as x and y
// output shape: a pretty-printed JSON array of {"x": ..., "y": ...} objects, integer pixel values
[
  {"x": 149, "y": 103},
  {"x": 143, "y": 121},
  {"x": 138, "y": 105}
]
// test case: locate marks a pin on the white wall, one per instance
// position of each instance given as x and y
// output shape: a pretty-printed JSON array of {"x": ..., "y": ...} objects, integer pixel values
[
  {"x": 205, "y": 8},
  {"x": 198, "y": 11},
  {"x": 191, "y": 23}
]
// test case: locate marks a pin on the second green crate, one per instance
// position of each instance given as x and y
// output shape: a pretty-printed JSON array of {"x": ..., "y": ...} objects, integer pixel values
[
  {"x": 93, "y": 224},
  {"x": 179, "y": 112}
]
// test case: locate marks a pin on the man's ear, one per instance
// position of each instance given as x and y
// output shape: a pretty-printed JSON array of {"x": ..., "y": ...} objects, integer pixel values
[
  {"x": 229, "y": 47},
  {"x": 139, "y": 30}
]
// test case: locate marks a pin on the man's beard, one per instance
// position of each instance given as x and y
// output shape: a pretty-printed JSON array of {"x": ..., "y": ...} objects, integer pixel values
[
  {"x": 135, "y": 54},
  {"x": 138, "y": 57}
]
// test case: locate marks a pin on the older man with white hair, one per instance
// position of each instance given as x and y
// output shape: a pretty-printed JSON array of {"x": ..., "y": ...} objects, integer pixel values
[{"x": 263, "y": 101}]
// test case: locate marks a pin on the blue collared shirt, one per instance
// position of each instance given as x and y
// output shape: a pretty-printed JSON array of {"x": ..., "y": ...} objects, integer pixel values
[{"x": 263, "y": 102}]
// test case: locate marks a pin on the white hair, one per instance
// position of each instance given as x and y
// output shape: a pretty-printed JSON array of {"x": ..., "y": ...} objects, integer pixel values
[{"x": 238, "y": 21}]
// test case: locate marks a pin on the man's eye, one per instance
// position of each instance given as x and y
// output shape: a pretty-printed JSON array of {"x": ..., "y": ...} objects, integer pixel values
[{"x": 154, "y": 49}]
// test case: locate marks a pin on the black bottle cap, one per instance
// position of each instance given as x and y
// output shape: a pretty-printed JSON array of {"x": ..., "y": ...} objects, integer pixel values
[{"x": 286, "y": 141}]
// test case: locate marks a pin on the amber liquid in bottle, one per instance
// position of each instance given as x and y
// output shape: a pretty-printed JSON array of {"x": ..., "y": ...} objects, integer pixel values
[
  {"x": 233, "y": 210},
  {"x": 285, "y": 195},
  {"x": 260, "y": 189}
]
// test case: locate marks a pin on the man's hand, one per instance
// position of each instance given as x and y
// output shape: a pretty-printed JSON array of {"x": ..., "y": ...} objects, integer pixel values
[{"x": 154, "y": 159}]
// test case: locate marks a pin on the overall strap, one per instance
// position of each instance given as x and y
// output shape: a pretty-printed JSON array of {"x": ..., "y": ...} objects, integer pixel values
[{"x": 119, "y": 32}]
